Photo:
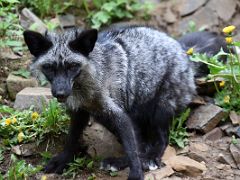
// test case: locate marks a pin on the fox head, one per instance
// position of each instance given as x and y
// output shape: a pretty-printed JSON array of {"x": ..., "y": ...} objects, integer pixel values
[{"x": 61, "y": 57}]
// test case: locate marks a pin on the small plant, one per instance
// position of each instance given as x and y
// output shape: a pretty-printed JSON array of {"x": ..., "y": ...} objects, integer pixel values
[
  {"x": 22, "y": 72},
  {"x": 20, "y": 170},
  {"x": 229, "y": 71},
  {"x": 45, "y": 8},
  {"x": 18, "y": 127},
  {"x": 10, "y": 29},
  {"x": 77, "y": 166},
  {"x": 178, "y": 133},
  {"x": 106, "y": 11}
]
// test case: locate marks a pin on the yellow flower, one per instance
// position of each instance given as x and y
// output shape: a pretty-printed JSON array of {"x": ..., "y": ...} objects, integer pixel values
[
  {"x": 229, "y": 40},
  {"x": 35, "y": 115},
  {"x": 20, "y": 137},
  {"x": 222, "y": 83},
  {"x": 226, "y": 99},
  {"x": 190, "y": 51},
  {"x": 44, "y": 177},
  {"x": 8, "y": 122},
  {"x": 14, "y": 120},
  {"x": 228, "y": 29}
]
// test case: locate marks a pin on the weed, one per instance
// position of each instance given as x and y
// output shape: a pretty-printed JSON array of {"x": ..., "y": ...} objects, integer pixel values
[
  {"x": 22, "y": 72},
  {"x": 178, "y": 133},
  {"x": 106, "y": 11},
  {"x": 45, "y": 8},
  {"x": 229, "y": 97},
  {"x": 77, "y": 166},
  {"x": 20, "y": 170},
  {"x": 10, "y": 29},
  {"x": 28, "y": 126}
]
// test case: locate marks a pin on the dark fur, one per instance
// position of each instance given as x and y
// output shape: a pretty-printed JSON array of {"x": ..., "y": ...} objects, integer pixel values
[{"x": 132, "y": 80}]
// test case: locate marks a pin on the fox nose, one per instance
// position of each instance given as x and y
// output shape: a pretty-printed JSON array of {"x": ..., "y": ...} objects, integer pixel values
[{"x": 61, "y": 96}]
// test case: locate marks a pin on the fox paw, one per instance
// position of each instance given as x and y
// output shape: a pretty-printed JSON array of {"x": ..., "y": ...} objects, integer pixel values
[{"x": 58, "y": 163}]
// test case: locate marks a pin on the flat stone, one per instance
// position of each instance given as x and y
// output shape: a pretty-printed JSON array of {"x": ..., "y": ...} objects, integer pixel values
[
  {"x": 36, "y": 97},
  {"x": 226, "y": 159},
  {"x": 205, "y": 118},
  {"x": 66, "y": 21},
  {"x": 186, "y": 165},
  {"x": 204, "y": 17},
  {"x": 186, "y": 7},
  {"x": 159, "y": 173},
  {"x": 235, "y": 118},
  {"x": 201, "y": 147},
  {"x": 214, "y": 134},
  {"x": 224, "y": 9},
  {"x": 233, "y": 131},
  {"x": 197, "y": 157},
  {"x": 25, "y": 149},
  {"x": 235, "y": 151},
  {"x": 169, "y": 16},
  {"x": 27, "y": 18},
  {"x": 169, "y": 152},
  {"x": 16, "y": 83},
  {"x": 101, "y": 142}
]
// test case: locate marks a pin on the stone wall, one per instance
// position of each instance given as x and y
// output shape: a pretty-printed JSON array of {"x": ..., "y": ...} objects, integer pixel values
[{"x": 174, "y": 16}]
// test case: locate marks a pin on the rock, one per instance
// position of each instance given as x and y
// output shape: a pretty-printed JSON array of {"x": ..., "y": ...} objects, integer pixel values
[
  {"x": 198, "y": 147},
  {"x": 186, "y": 165},
  {"x": 235, "y": 151},
  {"x": 169, "y": 16},
  {"x": 226, "y": 159},
  {"x": 66, "y": 21},
  {"x": 101, "y": 142},
  {"x": 226, "y": 126},
  {"x": 203, "y": 18},
  {"x": 223, "y": 167},
  {"x": 159, "y": 173},
  {"x": 32, "y": 97},
  {"x": 205, "y": 118},
  {"x": 169, "y": 152},
  {"x": 233, "y": 131},
  {"x": 28, "y": 18},
  {"x": 214, "y": 134},
  {"x": 197, "y": 157},
  {"x": 235, "y": 118},
  {"x": 224, "y": 9},
  {"x": 16, "y": 83},
  {"x": 186, "y": 7},
  {"x": 197, "y": 101},
  {"x": 24, "y": 149}
]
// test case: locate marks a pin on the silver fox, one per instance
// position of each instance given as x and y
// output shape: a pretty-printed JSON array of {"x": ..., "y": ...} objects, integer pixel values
[{"x": 133, "y": 80}]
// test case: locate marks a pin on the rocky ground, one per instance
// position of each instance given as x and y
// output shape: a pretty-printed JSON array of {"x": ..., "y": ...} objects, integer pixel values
[{"x": 213, "y": 150}]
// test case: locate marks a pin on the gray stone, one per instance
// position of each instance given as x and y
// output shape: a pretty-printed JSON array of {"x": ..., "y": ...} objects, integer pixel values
[
  {"x": 204, "y": 17},
  {"x": 16, "y": 83},
  {"x": 214, "y": 134},
  {"x": 235, "y": 151},
  {"x": 226, "y": 159},
  {"x": 66, "y": 21},
  {"x": 235, "y": 118},
  {"x": 197, "y": 157},
  {"x": 28, "y": 18},
  {"x": 233, "y": 131},
  {"x": 159, "y": 173},
  {"x": 186, "y": 7},
  {"x": 205, "y": 118},
  {"x": 101, "y": 142},
  {"x": 169, "y": 16},
  {"x": 25, "y": 149},
  {"x": 224, "y": 9},
  {"x": 36, "y": 97}
]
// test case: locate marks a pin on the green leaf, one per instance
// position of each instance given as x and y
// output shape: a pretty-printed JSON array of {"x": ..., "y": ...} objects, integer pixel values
[
  {"x": 22, "y": 72},
  {"x": 13, "y": 43}
]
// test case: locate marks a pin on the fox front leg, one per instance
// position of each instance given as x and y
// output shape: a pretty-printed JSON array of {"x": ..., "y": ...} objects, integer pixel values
[
  {"x": 79, "y": 120},
  {"x": 118, "y": 122}
]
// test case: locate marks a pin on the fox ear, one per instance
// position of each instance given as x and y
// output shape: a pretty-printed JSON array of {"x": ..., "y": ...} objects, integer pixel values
[
  {"x": 84, "y": 42},
  {"x": 36, "y": 42}
]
